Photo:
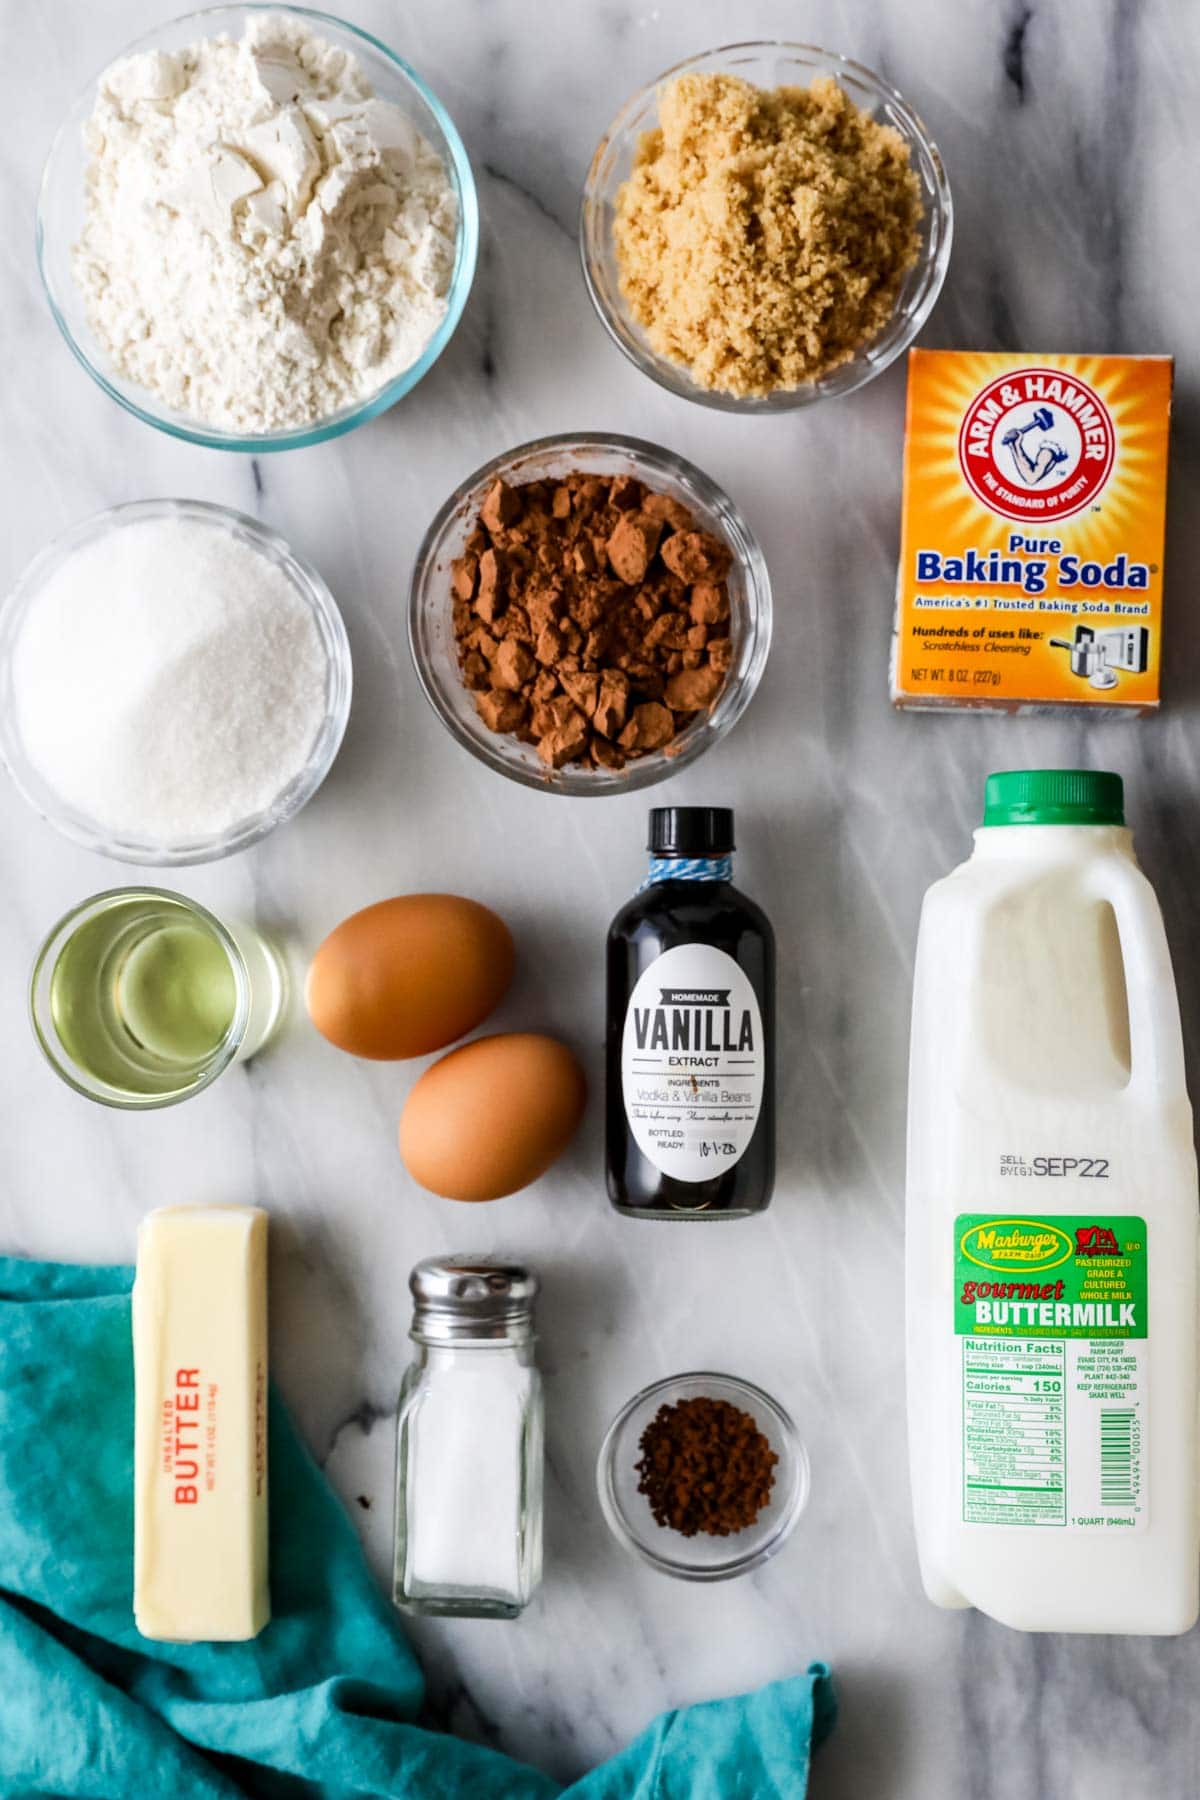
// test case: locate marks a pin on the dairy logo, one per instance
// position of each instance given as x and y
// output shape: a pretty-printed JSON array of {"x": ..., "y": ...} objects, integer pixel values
[
  {"x": 1016, "y": 1244},
  {"x": 1096, "y": 1240},
  {"x": 1036, "y": 444}
]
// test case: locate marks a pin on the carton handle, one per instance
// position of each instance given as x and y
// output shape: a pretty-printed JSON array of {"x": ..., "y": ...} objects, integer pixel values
[{"x": 1155, "y": 1034}]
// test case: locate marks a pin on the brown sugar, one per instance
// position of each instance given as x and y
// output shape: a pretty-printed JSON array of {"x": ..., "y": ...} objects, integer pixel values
[
  {"x": 763, "y": 235},
  {"x": 591, "y": 616}
]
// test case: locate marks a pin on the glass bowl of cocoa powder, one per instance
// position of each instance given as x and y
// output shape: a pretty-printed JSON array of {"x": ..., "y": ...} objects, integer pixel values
[
  {"x": 764, "y": 226},
  {"x": 703, "y": 1476},
  {"x": 589, "y": 613}
]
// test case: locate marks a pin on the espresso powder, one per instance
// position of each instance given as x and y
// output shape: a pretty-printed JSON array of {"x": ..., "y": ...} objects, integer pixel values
[{"x": 705, "y": 1467}]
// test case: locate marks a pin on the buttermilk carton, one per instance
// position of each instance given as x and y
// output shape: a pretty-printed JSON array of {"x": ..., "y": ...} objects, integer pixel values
[
  {"x": 1052, "y": 1228},
  {"x": 1031, "y": 545}
]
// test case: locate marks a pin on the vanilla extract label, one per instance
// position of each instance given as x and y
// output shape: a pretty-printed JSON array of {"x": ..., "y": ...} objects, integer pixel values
[
  {"x": 688, "y": 1019},
  {"x": 692, "y": 1062}
]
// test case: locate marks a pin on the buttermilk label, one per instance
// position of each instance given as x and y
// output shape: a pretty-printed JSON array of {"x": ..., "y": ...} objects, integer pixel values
[
  {"x": 1051, "y": 1319},
  {"x": 692, "y": 1062}
]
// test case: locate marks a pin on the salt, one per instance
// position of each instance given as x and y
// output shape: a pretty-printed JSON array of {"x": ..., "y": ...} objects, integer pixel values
[
  {"x": 465, "y": 1500},
  {"x": 169, "y": 680},
  {"x": 469, "y": 1452}
]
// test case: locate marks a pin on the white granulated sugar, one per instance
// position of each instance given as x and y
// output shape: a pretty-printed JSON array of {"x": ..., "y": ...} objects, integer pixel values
[
  {"x": 169, "y": 681},
  {"x": 264, "y": 240}
]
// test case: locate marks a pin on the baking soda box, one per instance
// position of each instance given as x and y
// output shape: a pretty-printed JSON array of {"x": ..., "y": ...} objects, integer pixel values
[{"x": 1031, "y": 546}]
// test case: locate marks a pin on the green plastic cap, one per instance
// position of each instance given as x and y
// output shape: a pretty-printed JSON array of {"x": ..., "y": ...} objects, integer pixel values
[{"x": 1054, "y": 797}]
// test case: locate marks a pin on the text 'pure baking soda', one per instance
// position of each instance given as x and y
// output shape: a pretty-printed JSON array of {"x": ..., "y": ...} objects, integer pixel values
[
  {"x": 1032, "y": 540},
  {"x": 1052, "y": 1228}
]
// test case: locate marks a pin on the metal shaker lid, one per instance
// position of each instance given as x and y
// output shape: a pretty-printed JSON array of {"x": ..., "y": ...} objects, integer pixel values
[{"x": 460, "y": 1298}]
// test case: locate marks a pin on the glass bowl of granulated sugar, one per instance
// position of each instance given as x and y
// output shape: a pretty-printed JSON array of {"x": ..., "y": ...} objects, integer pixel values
[
  {"x": 174, "y": 682},
  {"x": 257, "y": 228}
]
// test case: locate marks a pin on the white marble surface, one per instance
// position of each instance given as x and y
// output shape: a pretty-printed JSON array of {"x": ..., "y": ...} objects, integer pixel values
[{"x": 1071, "y": 139}]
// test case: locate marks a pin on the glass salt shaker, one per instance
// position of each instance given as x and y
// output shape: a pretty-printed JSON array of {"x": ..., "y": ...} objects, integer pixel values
[{"x": 469, "y": 1443}]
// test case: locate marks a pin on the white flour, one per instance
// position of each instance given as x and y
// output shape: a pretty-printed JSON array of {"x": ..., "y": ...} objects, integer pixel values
[
  {"x": 169, "y": 681},
  {"x": 264, "y": 241}
]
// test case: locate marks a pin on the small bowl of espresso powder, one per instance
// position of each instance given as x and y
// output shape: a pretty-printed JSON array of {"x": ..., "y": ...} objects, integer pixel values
[{"x": 702, "y": 1476}]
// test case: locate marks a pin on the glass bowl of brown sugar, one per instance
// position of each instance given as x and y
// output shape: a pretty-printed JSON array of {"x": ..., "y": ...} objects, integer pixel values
[
  {"x": 518, "y": 678},
  {"x": 702, "y": 1476},
  {"x": 682, "y": 312}
]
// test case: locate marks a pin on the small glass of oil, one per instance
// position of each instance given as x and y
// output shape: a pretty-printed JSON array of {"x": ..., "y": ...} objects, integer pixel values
[{"x": 140, "y": 997}]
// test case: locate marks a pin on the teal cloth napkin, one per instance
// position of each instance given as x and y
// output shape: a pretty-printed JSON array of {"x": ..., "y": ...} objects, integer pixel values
[{"x": 325, "y": 1701}]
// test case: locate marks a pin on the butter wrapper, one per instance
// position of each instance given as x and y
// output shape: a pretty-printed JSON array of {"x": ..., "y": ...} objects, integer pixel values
[{"x": 200, "y": 1424}]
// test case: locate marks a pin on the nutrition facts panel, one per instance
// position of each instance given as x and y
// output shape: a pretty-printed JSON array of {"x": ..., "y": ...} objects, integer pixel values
[{"x": 1014, "y": 1432}]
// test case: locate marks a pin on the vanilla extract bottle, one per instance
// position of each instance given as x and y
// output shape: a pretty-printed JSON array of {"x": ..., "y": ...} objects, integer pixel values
[{"x": 690, "y": 1122}]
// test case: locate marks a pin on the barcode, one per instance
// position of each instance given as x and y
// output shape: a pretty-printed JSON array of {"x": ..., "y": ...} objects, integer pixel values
[{"x": 1116, "y": 1456}]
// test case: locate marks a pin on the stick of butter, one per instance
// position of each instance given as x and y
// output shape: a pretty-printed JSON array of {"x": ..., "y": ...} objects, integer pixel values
[{"x": 200, "y": 1424}]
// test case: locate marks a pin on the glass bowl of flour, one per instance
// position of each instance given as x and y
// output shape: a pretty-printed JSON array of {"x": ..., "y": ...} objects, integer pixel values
[
  {"x": 257, "y": 228},
  {"x": 174, "y": 682}
]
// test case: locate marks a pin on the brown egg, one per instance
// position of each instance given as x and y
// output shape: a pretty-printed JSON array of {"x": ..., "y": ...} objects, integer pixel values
[
  {"x": 492, "y": 1116},
  {"x": 409, "y": 975}
]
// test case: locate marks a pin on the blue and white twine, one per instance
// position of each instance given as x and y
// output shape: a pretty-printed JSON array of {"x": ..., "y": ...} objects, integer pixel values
[{"x": 688, "y": 868}]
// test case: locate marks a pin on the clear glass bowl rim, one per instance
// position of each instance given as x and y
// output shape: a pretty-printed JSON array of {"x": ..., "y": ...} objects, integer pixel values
[
  {"x": 467, "y": 249},
  {"x": 38, "y": 794},
  {"x": 62, "y": 1064},
  {"x": 644, "y": 771},
  {"x": 859, "y": 370},
  {"x": 735, "y": 1565}
]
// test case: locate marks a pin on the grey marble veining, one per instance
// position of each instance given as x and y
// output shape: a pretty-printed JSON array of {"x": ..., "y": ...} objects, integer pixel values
[{"x": 1070, "y": 134}]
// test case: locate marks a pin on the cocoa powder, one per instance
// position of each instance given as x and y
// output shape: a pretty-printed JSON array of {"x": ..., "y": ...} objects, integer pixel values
[
  {"x": 591, "y": 616},
  {"x": 705, "y": 1467}
]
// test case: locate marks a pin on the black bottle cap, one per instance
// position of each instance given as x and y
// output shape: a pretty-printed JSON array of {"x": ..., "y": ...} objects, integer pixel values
[{"x": 691, "y": 831}]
